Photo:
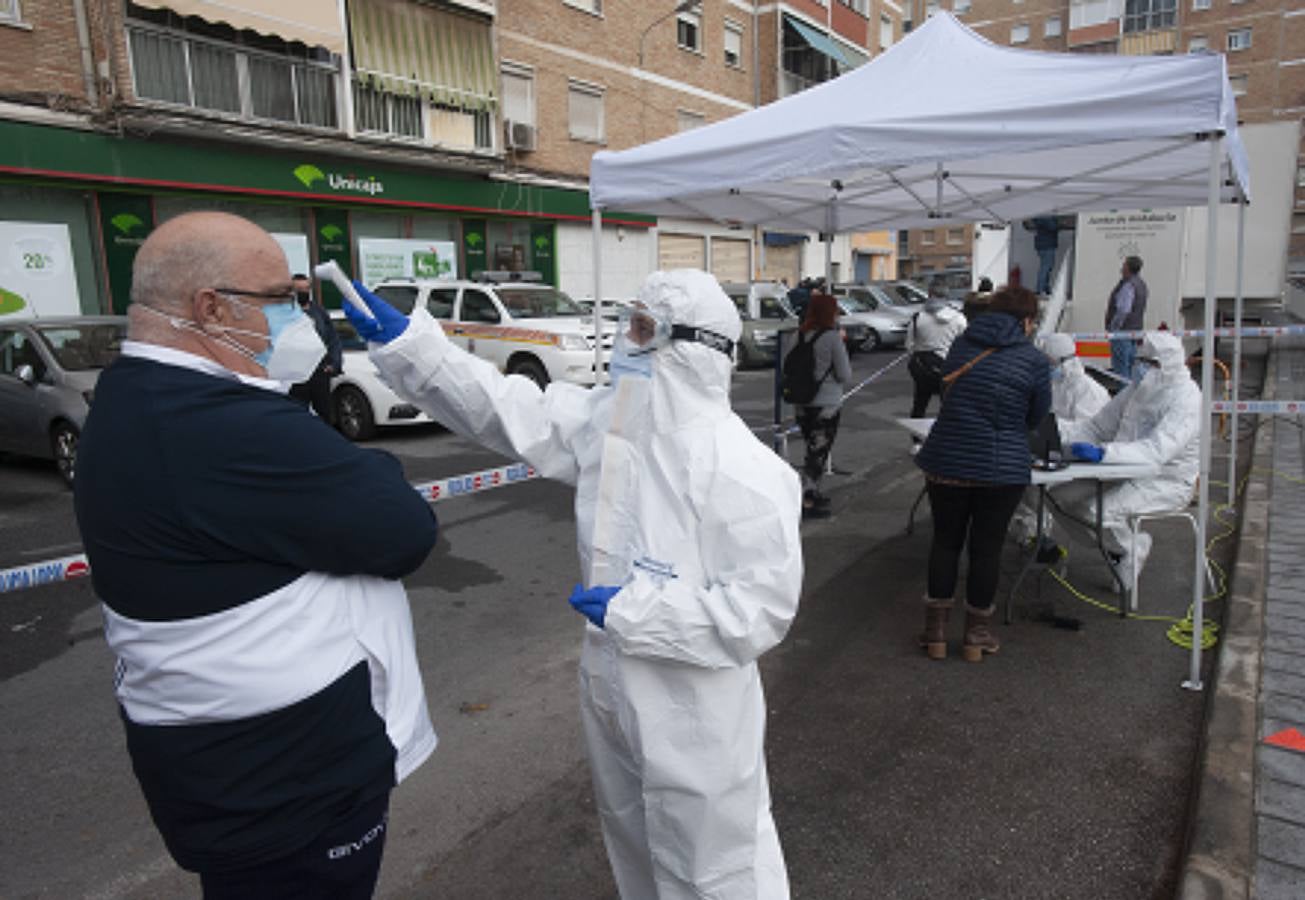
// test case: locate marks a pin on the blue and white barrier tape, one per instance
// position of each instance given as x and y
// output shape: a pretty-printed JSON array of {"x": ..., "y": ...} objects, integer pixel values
[{"x": 68, "y": 568}]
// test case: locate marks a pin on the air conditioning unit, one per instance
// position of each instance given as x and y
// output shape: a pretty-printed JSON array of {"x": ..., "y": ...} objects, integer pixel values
[{"x": 518, "y": 135}]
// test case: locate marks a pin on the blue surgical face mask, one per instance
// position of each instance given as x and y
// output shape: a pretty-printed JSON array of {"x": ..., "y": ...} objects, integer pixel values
[
  {"x": 1057, "y": 373},
  {"x": 624, "y": 365},
  {"x": 293, "y": 346}
]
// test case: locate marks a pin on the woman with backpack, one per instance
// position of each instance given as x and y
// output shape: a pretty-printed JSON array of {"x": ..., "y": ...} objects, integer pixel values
[
  {"x": 829, "y": 372},
  {"x": 996, "y": 386}
]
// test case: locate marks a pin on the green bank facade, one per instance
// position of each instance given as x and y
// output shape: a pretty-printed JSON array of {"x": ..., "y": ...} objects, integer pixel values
[{"x": 110, "y": 191}]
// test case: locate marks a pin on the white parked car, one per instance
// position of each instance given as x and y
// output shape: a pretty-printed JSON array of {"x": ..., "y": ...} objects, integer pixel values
[
  {"x": 522, "y": 326},
  {"x": 361, "y": 400},
  {"x": 883, "y": 324}
]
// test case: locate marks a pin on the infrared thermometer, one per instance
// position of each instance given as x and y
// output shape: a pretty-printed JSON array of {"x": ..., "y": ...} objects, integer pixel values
[{"x": 330, "y": 271}]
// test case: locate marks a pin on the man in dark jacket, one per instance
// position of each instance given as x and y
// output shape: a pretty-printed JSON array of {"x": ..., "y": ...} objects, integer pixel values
[
  {"x": 1046, "y": 238},
  {"x": 997, "y": 386},
  {"x": 317, "y": 389},
  {"x": 247, "y": 559},
  {"x": 1126, "y": 311}
]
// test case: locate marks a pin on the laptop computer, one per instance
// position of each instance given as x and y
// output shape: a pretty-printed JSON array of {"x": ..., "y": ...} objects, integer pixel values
[{"x": 1044, "y": 445}]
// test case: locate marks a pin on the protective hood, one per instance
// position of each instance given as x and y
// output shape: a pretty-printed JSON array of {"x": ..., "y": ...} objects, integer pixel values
[
  {"x": 1059, "y": 346},
  {"x": 690, "y": 379},
  {"x": 1167, "y": 350}
]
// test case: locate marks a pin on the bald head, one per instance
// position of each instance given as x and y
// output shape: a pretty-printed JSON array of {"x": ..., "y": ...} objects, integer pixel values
[{"x": 203, "y": 250}]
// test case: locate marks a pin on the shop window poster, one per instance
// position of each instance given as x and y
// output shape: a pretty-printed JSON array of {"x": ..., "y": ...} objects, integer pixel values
[
  {"x": 381, "y": 258},
  {"x": 37, "y": 277}
]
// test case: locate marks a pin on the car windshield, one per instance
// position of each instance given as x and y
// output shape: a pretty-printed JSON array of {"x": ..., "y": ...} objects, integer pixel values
[
  {"x": 80, "y": 348},
  {"x": 851, "y": 303},
  {"x": 538, "y": 303}
]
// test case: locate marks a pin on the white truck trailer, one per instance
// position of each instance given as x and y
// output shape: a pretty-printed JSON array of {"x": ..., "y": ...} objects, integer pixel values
[{"x": 1171, "y": 244}]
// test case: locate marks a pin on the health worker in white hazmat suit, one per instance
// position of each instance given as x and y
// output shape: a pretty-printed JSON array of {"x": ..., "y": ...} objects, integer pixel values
[
  {"x": 1074, "y": 393},
  {"x": 687, "y": 527},
  {"x": 1156, "y": 420}
]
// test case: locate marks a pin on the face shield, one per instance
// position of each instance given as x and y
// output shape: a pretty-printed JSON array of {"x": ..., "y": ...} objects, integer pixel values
[{"x": 641, "y": 331}]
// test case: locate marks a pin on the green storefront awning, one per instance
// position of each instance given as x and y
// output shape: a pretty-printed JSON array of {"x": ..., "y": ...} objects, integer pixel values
[
  {"x": 819, "y": 42},
  {"x": 421, "y": 51}
]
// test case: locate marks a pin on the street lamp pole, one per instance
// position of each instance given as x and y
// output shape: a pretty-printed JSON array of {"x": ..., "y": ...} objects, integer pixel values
[{"x": 681, "y": 7}]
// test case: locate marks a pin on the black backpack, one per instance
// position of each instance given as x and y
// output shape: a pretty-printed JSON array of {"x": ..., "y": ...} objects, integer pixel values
[{"x": 800, "y": 383}]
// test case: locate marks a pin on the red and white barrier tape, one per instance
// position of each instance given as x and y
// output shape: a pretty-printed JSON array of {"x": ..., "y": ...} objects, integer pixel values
[
  {"x": 1245, "y": 330},
  {"x": 1291, "y": 407},
  {"x": 70, "y": 567}
]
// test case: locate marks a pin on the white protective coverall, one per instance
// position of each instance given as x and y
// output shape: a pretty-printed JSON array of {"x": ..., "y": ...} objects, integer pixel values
[
  {"x": 1157, "y": 420},
  {"x": 679, "y": 502},
  {"x": 1074, "y": 393}
]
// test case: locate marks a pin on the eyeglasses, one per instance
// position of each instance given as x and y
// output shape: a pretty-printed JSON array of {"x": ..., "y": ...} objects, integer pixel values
[{"x": 289, "y": 296}]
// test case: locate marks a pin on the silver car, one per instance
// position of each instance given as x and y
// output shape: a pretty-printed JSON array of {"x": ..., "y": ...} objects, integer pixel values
[
  {"x": 884, "y": 323},
  {"x": 48, "y": 370}
]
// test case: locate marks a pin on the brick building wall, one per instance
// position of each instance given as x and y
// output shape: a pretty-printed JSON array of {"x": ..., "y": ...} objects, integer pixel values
[
  {"x": 40, "y": 57},
  {"x": 560, "y": 43}
]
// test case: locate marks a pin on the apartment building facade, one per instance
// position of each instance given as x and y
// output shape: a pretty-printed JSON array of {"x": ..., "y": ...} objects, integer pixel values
[
  {"x": 397, "y": 136},
  {"x": 1264, "y": 41},
  {"x": 365, "y": 132}
]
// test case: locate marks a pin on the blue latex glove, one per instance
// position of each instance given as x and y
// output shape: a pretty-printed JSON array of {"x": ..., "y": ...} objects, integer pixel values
[
  {"x": 386, "y": 322},
  {"x": 1086, "y": 452},
  {"x": 592, "y": 603}
]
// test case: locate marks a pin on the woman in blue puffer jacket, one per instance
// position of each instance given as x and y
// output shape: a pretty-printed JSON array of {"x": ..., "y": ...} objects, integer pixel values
[{"x": 976, "y": 461}]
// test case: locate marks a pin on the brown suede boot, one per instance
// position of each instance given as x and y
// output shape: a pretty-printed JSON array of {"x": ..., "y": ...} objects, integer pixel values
[
  {"x": 978, "y": 639},
  {"x": 934, "y": 637}
]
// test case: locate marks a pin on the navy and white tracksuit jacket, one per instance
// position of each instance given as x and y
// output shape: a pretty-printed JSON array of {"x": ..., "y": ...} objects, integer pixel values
[{"x": 246, "y": 556}]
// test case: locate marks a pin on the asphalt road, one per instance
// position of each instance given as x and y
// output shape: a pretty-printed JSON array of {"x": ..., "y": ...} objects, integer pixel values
[{"x": 1058, "y": 769}]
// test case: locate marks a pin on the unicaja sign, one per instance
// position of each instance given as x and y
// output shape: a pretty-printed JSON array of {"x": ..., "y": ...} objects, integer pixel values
[{"x": 309, "y": 175}]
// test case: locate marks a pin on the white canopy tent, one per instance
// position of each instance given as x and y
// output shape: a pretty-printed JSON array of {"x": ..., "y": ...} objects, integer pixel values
[{"x": 893, "y": 144}]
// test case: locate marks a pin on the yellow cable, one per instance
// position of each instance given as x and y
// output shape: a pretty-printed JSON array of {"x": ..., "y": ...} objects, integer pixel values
[{"x": 1180, "y": 630}]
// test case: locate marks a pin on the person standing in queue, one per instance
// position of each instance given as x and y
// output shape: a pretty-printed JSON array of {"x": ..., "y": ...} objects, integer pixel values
[
  {"x": 928, "y": 338},
  {"x": 819, "y": 418},
  {"x": 976, "y": 462},
  {"x": 316, "y": 391},
  {"x": 687, "y": 528},
  {"x": 247, "y": 557}
]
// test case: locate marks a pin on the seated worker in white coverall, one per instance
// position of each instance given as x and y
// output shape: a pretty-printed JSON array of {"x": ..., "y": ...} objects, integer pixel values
[
  {"x": 1074, "y": 395},
  {"x": 1156, "y": 420},
  {"x": 687, "y": 528}
]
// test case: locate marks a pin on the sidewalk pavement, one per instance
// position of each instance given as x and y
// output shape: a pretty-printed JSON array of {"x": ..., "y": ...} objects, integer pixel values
[{"x": 1247, "y": 838}]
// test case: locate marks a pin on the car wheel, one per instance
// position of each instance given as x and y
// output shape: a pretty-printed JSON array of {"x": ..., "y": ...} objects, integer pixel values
[
  {"x": 531, "y": 369},
  {"x": 872, "y": 341},
  {"x": 353, "y": 414},
  {"x": 63, "y": 443}
]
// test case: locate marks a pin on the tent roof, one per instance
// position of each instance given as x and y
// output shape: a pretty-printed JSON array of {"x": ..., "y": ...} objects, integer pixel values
[{"x": 895, "y": 144}]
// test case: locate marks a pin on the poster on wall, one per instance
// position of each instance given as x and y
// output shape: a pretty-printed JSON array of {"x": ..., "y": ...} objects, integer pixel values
[
  {"x": 381, "y": 258},
  {"x": 37, "y": 276},
  {"x": 295, "y": 247}
]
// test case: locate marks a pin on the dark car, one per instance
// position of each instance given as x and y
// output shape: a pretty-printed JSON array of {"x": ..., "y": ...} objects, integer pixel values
[{"x": 48, "y": 370}]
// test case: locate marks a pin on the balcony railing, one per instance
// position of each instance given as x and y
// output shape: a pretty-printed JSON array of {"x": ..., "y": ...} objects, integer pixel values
[{"x": 185, "y": 70}]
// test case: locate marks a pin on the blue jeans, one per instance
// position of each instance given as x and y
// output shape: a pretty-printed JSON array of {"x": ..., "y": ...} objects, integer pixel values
[
  {"x": 1046, "y": 262},
  {"x": 1122, "y": 353}
]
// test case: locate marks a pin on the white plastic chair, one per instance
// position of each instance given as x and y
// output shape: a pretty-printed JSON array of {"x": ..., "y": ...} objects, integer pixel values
[{"x": 1135, "y": 521}]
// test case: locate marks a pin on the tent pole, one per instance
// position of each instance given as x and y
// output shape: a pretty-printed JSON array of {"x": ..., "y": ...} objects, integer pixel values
[
  {"x": 1237, "y": 351},
  {"x": 1193, "y": 681},
  {"x": 598, "y": 295}
]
